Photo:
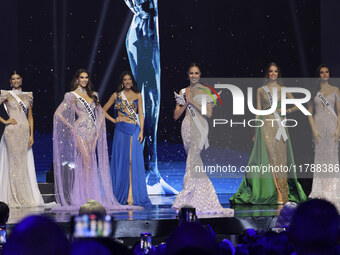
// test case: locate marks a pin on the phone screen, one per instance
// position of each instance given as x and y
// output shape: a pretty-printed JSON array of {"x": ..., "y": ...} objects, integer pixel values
[
  {"x": 187, "y": 215},
  {"x": 278, "y": 230},
  {"x": 92, "y": 225},
  {"x": 145, "y": 241},
  {"x": 2, "y": 236}
]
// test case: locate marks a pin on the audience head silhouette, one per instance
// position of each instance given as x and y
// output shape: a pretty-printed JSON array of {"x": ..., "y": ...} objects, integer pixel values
[
  {"x": 4, "y": 213},
  {"x": 37, "y": 235},
  {"x": 92, "y": 207},
  {"x": 314, "y": 227}
]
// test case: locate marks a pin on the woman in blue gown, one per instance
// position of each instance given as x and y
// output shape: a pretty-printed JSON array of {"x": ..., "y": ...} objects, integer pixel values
[{"x": 127, "y": 162}]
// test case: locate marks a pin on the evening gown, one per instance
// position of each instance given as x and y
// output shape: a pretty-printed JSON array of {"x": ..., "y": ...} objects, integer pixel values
[
  {"x": 126, "y": 152},
  {"x": 198, "y": 191},
  {"x": 326, "y": 185},
  {"x": 19, "y": 186},
  {"x": 259, "y": 188},
  {"x": 81, "y": 164}
]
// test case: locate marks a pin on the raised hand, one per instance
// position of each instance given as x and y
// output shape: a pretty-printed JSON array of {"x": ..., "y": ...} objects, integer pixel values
[{"x": 180, "y": 99}]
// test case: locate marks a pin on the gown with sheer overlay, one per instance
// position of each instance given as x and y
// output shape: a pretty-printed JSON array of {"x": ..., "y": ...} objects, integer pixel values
[
  {"x": 326, "y": 184},
  {"x": 81, "y": 163},
  {"x": 260, "y": 187},
  {"x": 198, "y": 191},
  {"x": 19, "y": 186}
]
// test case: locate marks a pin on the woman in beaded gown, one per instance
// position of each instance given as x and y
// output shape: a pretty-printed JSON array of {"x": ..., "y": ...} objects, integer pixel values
[
  {"x": 81, "y": 164},
  {"x": 272, "y": 147},
  {"x": 325, "y": 125},
  {"x": 19, "y": 186},
  {"x": 198, "y": 191},
  {"x": 127, "y": 162}
]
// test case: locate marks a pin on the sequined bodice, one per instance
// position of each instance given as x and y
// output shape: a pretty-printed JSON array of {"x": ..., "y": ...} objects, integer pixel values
[
  {"x": 320, "y": 110},
  {"x": 13, "y": 108},
  {"x": 265, "y": 102},
  {"x": 80, "y": 108},
  {"x": 121, "y": 108},
  {"x": 84, "y": 124}
]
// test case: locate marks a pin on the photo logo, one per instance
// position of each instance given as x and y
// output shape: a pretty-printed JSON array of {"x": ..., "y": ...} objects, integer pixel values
[
  {"x": 238, "y": 100},
  {"x": 213, "y": 97}
]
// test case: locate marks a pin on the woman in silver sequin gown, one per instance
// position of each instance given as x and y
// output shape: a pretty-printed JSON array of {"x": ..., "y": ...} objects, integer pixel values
[
  {"x": 19, "y": 186},
  {"x": 198, "y": 191},
  {"x": 325, "y": 126}
]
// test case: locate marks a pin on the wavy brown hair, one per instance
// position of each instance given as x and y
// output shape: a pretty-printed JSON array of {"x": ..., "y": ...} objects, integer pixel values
[
  {"x": 279, "y": 76},
  {"x": 266, "y": 74},
  {"x": 89, "y": 85}
]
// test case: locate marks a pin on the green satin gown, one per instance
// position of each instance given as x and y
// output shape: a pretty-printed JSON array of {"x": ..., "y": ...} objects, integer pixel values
[{"x": 259, "y": 188}]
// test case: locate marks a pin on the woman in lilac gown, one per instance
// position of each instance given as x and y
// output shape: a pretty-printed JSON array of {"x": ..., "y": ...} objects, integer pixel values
[
  {"x": 127, "y": 162},
  {"x": 81, "y": 164}
]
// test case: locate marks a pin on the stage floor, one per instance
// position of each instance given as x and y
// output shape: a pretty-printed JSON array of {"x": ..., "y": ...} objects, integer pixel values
[{"x": 160, "y": 220}]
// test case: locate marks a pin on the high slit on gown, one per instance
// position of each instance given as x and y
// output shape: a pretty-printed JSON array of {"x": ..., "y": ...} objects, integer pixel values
[{"x": 127, "y": 161}]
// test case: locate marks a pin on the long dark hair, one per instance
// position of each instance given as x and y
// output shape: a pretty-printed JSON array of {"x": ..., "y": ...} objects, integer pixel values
[
  {"x": 194, "y": 64},
  {"x": 266, "y": 73},
  {"x": 13, "y": 73},
  {"x": 120, "y": 83},
  {"x": 89, "y": 85},
  {"x": 316, "y": 85}
]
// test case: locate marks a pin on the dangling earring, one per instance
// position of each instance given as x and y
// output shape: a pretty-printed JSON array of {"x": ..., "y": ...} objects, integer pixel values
[
  {"x": 11, "y": 85},
  {"x": 122, "y": 86},
  {"x": 76, "y": 81}
]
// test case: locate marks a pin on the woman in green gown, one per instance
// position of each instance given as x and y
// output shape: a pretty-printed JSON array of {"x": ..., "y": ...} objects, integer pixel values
[{"x": 272, "y": 147}]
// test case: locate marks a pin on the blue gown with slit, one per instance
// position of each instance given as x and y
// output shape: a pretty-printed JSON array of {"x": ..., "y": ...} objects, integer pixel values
[{"x": 125, "y": 135}]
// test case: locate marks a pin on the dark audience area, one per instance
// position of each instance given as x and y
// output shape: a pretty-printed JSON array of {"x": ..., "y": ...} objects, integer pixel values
[{"x": 309, "y": 228}]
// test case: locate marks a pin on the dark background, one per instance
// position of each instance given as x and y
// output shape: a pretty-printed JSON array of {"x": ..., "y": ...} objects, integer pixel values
[{"x": 48, "y": 40}]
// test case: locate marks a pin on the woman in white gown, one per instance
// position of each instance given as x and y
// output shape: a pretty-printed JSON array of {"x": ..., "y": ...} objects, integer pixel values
[
  {"x": 19, "y": 186},
  {"x": 198, "y": 190},
  {"x": 325, "y": 125}
]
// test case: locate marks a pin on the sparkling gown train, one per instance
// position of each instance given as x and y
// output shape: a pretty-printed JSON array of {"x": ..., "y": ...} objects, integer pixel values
[
  {"x": 19, "y": 186},
  {"x": 198, "y": 191},
  {"x": 326, "y": 185}
]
